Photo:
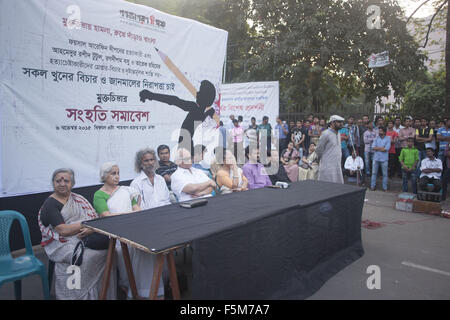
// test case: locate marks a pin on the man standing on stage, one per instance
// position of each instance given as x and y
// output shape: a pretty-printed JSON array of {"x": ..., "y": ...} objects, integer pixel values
[{"x": 329, "y": 152}]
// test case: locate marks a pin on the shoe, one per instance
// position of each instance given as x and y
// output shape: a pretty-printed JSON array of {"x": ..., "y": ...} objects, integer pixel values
[{"x": 372, "y": 189}]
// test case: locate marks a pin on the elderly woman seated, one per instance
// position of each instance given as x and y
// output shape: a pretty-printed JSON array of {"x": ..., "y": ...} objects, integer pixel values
[
  {"x": 112, "y": 200},
  {"x": 309, "y": 166},
  {"x": 228, "y": 176},
  {"x": 60, "y": 223}
]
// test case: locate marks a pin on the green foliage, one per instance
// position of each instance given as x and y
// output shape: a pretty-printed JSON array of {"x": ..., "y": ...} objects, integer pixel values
[
  {"x": 426, "y": 97},
  {"x": 317, "y": 50}
]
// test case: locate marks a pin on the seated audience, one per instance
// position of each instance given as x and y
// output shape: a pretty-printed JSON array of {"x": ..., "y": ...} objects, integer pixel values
[
  {"x": 229, "y": 176},
  {"x": 60, "y": 220},
  {"x": 112, "y": 200},
  {"x": 151, "y": 186},
  {"x": 254, "y": 171},
  {"x": 431, "y": 168},
  {"x": 199, "y": 155},
  {"x": 353, "y": 165},
  {"x": 289, "y": 158},
  {"x": 309, "y": 166},
  {"x": 187, "y": 182},
  {"x": 276, "y": 170},
  {"x": 166, "y": 167}
]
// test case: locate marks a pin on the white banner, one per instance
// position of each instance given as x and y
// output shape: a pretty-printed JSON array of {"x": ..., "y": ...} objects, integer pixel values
[
  {"x": 72, "y": 81},
  {"x": 251, "y": 99},
  {"x": 379, "y": 60}
]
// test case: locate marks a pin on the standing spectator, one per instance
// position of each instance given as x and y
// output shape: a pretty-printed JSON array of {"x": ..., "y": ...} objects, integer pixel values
[
  {"x": 446, "y": 174},
  {"x": 237, "y": 134},
  {"x": 416, "y": 123},
  {"x": 252, "y": 133},
  {"x": 431, "y": 169},
  {"x": 409, "y": 157},
  {"x": 329, "y": 152},
  {"x": 222, "y": 136},
  {"x": 393, "y": 159},
  {"x": 314, "y": 131},
  {"x": 283, "y": 131},
  {"x": 369, "y": 138},
  {"x": 291, "y": 127},
  {"x": 423, "y": 136},
  {"x": 265, "y": 134},
  {"x": 397, "y": 127},
  {"x": 322, "y": 125},
  {"x": 362, "y": 129},
  {"x": 380, "y": 146},
  {"x": 406, "y": 132},
  {"x": 443, "y": 136},
  {"x": 230, "y": 124},
  {"x": 297, "y": 137},
  {"x": 343, "y": 132},
  {"x": 433, "y": 142},
  {"x": 353, "y": 132},
  {"x": 305, "y": 131},
  {"x": 166, "y": 167}
]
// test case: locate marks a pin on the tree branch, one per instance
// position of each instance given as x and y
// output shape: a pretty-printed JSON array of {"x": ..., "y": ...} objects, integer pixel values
[
  {"x": 417, "y": 9},
  {"x": 431, "y": 22}
]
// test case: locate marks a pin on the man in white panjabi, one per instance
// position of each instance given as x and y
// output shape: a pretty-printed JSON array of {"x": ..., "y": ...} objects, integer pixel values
[
  {"x": 151, "y": 186},
  {"x": 329, "y": 152},
  {"x": 187, "y": 182}
]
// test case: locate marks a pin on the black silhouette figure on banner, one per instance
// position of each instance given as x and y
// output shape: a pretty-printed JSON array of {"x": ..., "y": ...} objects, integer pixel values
[{"x": 196, "y": 110}]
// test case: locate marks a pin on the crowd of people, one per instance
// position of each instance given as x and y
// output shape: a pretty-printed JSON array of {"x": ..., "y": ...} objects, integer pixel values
[{"x": 246, "y": 158}]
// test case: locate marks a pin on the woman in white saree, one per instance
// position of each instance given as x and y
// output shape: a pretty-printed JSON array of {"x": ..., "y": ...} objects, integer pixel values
[
  {"x": 111, "y": 200},
  {"x": 60, "y": 220}
]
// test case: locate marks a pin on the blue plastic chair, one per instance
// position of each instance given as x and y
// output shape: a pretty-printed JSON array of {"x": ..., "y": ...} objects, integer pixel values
[{"x": 14, "y": 270}]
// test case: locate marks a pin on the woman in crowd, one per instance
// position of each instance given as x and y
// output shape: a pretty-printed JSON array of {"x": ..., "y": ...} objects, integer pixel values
[
  {"x": 228, "y": 176},
  {"x": 60, "y": 220},
  {"x": 290, "y": 158},
  {"x": 309, "y": 165},
  {"x": 112, "y": 200}
]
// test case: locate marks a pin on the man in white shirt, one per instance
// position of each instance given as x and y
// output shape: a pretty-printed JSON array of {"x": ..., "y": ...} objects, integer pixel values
[
  {"x": 431, "y": 168},
  {"x": 151, "y": 186},
  {"x": 187, "y": 182},
  {"x": 353, "y": 164}
]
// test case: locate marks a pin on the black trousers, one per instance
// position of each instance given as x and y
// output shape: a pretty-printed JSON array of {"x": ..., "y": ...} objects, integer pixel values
[{"x": 427, "y": 180}]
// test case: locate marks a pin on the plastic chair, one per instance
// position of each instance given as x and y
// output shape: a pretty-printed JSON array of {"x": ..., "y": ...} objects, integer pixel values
[{"x": 14, "y": 270}]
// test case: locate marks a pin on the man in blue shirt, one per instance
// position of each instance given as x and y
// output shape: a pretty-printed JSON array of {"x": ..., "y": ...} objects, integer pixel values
[
  {"x": 282, "y": 130},
  {"x": 443, "y": 136},
  {"x": 344, "y": 138},
  {"x": 380, "y": 147}
]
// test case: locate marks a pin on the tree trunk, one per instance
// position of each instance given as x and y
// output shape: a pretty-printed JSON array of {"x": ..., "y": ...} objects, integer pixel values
[{"x": 447, "y": 64}]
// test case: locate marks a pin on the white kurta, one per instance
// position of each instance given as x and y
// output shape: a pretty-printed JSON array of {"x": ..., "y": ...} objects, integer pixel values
[{"x": 329, "y": 152}]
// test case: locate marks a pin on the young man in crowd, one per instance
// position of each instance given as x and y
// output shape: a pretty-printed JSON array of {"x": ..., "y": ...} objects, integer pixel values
[
  {"x": 431, "y": 169},
  {"x": 282, "y": 129},
  {"x": 353, "y": 132},
  {"x": 406, "y": 132},
  {"x": 424, "y": 135},
  {"x": 166, "y": 167},
  {"x": 393, "y": 160},
  {"x": 409, "y": 157},
  {"x": 362, "y": 129},
  {"x": 381, "y": 147},
  {"x": 443, "y": 136},
  {"x": 305, "y": 131},
  {"x": 397, "y": 127},
  {"x": 297, "y": 136},
  {"x": 343, "y": 132},
  {"x": 369, "y": 138},
  {"x": 265, "y": 134}
]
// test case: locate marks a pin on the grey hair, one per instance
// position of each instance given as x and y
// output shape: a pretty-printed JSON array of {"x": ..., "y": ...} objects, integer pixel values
[
  {"x": 140, "y": 155},
  {"x": 179, "y": 155},
  {"x": 105, "y": 169},
  {"x": 64, "y": 170}
]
